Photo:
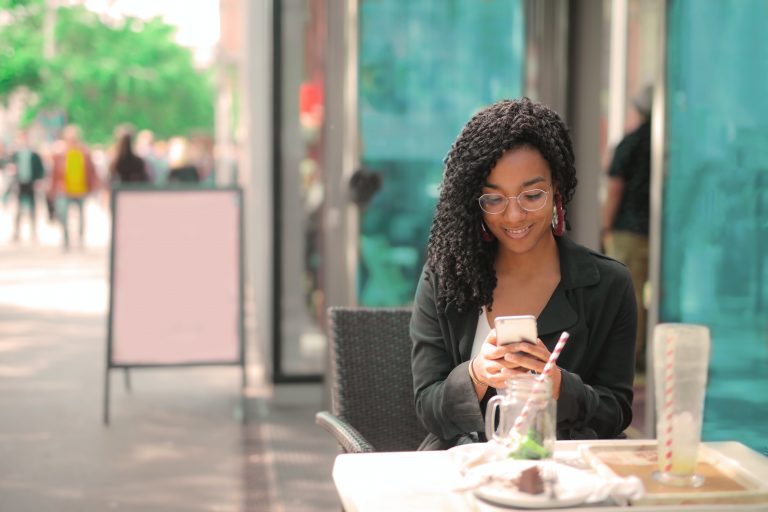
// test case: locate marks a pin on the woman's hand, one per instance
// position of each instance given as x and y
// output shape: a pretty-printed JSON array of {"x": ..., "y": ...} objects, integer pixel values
[
  {"x": 495, "y": 364},
  {"x": 491, "y": 366},
  {"x": 533, "y": 356}
]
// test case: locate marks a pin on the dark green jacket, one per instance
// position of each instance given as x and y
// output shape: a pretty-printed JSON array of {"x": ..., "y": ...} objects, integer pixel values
[
  {"x": 594, "y": 302},
  {"x": 38, "y": 171}
]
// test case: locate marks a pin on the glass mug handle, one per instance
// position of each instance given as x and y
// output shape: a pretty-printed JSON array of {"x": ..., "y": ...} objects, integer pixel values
[{"x": 490, "y": 413}]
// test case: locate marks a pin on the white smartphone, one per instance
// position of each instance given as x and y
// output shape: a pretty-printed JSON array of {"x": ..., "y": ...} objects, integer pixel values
[{"x": 514, "y": 329}]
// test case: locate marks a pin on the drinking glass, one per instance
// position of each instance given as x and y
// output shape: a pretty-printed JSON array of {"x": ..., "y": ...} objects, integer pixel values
[
  {"x": 680, "y": 363},
  {"x": 527, "y": 416}
]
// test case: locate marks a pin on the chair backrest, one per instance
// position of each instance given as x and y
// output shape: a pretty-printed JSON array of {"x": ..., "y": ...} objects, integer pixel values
[{"x": 372, "y": 384}]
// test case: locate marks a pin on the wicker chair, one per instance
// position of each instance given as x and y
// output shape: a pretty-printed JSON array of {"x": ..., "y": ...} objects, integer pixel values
[{"x": 372, "y": 386}]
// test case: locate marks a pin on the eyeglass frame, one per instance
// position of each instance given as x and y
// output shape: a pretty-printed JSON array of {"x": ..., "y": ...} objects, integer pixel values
[{"x": 517, "y": 199}]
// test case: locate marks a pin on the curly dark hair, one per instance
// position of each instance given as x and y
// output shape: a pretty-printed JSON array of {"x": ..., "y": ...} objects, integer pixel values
[{"x": 455, "y": 250}]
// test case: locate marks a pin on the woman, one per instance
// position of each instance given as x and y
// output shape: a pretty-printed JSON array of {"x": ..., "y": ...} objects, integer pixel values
[
  {"x": 497, "y": 248},
  {"x": 128, "y": 167}
]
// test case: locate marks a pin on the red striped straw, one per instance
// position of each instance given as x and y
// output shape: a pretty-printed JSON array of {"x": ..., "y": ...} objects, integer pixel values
[
  {"x": 540, "y": 381},
  {"x": 669, "y": 395}
]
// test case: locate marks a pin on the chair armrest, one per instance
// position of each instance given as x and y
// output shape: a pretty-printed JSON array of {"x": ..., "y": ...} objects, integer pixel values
[{"x": 348, "y": 437}]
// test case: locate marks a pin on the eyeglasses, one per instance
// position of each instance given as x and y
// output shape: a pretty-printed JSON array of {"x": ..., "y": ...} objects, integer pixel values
[{"x": 529, "y": 201}]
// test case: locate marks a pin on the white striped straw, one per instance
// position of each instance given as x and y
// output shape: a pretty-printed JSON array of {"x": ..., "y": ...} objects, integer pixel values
[
  {"x": 669, "y": 395},
  {"x": 540, "y": 380}
]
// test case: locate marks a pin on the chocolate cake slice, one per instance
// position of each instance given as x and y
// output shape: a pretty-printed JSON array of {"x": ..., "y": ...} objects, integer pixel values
[{"x": 530, "y": 481}]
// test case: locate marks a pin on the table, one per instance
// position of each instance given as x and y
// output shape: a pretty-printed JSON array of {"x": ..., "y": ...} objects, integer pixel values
[{"x": 421, "y": 481}]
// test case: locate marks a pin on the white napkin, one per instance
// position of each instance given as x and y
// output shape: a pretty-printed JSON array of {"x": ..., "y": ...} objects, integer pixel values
[{"x": 619, "y": 489}]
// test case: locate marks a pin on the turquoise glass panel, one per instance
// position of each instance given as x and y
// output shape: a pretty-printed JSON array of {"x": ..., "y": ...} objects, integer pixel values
[
  {"x": 715, "y": 215},
  {"x": 424, "y": 68}
]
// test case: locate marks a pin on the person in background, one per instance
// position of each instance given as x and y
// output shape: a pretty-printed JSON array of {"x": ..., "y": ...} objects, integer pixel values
[
  {"x": 498, "y": 247},
  {"x": 28, "y": 170},
  {"x": 127, "y": 167},
  {"x": 201, "y": 153},
  {"x": 157, "y": 167},
  {"x": 73, "y": 177},
  {"x": 626, "y": 212},
  {"x": 47, "y": 152},
  {"x": 181, "y": 166},
  {"x": 6, "y": 185}
]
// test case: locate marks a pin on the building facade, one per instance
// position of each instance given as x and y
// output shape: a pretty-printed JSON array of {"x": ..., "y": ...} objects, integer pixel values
[{"x": 349, "y": 107}]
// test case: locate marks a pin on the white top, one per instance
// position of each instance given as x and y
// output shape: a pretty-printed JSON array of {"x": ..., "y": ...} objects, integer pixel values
[{"x": 481, "y": 332}]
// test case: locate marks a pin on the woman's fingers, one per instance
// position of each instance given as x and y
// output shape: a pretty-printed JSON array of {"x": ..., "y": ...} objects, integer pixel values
[
  {"x": 490, "y": 349},
  {"x": 499, "y": 380},
  {"x": 498, "y": 363},
  {"x": 495, "y": 372},
  {"x": 524, "y": 361},
  {"x": 531, "y": 356},
  {"x": 487, "y": 370}
]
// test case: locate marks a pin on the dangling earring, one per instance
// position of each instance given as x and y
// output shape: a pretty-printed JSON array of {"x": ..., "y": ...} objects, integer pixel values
[
  {"x": 558, "y": 216},
  {"x": 486, "y": 235}
]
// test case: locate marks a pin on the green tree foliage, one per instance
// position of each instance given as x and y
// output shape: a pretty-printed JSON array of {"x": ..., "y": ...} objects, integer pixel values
[
  {"x": 104, "y": 72},
  {"x": 21, "y": 45}
]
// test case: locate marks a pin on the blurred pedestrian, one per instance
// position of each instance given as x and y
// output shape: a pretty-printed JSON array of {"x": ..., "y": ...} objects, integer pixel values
[
  {"x": 201, "y": 154},
  {"x": 182, "y": 167},
  {"x": 73, "y": 177},
  {"x": 27, "y": 168},
  {"x": 127, "y": 167},
  {"x": 157, "y": 166},
  {"x": 627, "y": 208},
  {"x": 6, "y": 185}
]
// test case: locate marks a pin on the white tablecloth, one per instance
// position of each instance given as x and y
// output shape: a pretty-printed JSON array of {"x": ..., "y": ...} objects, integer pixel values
[{"x": 422, "y": 481}]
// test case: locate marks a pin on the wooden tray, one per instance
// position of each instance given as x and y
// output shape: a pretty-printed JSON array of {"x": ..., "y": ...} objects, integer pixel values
[{"x": 725, "y": 480}]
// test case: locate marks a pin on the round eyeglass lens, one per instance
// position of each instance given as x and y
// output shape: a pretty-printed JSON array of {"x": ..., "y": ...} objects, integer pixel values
[
  {"x": 529, "y": 201},
  {"x": 532, "y": 200},
  {"x": 493, "y": 203}
]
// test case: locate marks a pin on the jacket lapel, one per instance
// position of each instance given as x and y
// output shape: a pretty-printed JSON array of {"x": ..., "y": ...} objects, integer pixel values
[
  {"x": 558, "y": 314},
  {"x": 462, "y": 326},
  {"x": 576, "y": 270}
]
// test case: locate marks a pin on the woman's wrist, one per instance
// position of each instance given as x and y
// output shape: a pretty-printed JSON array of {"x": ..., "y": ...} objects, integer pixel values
[{"x": 473, "y": 375}]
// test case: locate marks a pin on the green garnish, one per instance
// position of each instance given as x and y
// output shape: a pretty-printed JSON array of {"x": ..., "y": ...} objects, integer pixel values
[{"x": 529, "y": 448}]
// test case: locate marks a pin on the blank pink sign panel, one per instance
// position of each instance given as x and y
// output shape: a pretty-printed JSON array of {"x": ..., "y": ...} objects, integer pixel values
[{"x": 176, "y": 277}]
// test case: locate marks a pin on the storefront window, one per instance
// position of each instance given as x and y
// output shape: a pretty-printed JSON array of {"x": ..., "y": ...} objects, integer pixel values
[
  {"x": 424, "y": 68},
  {"x": 715, "y": 234}
]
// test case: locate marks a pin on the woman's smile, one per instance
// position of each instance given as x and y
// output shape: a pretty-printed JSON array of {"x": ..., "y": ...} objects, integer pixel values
[{"x": 517, "y": 233}]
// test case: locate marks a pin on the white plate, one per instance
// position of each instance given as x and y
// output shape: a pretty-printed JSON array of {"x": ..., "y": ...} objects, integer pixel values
[{"x": 573, "y": 487}]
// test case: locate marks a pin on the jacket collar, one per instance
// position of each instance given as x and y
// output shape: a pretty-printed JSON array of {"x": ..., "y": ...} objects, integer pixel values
[{"x": 577, "y": 267}]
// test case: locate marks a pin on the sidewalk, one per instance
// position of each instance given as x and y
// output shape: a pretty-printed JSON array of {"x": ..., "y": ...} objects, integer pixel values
[{"x": 174, "y": 443}]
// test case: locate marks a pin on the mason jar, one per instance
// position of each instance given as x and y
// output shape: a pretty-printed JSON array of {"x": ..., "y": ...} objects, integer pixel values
[{"x": 523, "y": 416}]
